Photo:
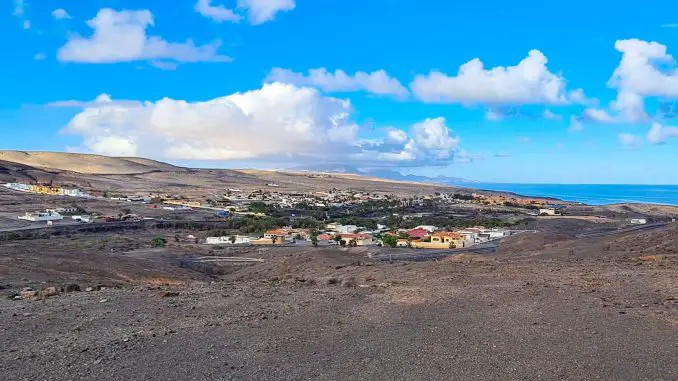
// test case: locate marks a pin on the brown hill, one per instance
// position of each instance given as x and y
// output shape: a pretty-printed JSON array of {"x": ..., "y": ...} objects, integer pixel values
[{"x": 86, "y": 163}]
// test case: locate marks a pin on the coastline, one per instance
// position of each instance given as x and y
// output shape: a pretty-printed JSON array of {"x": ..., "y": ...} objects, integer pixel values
[{"x": 587, "y": 194}]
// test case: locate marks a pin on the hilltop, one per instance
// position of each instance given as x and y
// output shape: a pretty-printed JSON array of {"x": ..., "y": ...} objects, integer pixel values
[
  {"x": 133, "y": 174},
  {"x": 87, "y": 163}
]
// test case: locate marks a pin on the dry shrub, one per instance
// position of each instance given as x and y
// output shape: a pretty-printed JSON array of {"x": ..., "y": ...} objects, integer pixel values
[
  {"x": 349, "y": 282},
  {"x": 160, "y": 281},
  {"x": 651, "y": 258}
]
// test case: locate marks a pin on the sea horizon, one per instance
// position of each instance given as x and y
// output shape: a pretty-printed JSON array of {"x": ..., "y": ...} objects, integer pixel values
[{"x": 590, "y": 194}]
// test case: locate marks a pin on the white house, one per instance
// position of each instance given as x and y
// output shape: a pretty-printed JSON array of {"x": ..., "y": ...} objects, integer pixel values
[
  {"x": 18, "y": 186},
  {"x": 42, "y": 216},
  {"x": 491, "y": 234},
  {"x": 334, "y": 226},
  {"x": 638, "y": 221},
  {"x": 547, "y": 212},
  {"x": 428, "y": 228},
  {"x": 239, "y": 240},
  {"x": 344, "y": 229},
  {"x": 85, "y": 219}
]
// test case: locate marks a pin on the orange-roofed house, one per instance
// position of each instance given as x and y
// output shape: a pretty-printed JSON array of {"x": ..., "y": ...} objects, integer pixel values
[
  {"x": 361, "y": 239},
  {"x": 417, "y": 233},
  {"x": 280, "y": 233},
  {"x": 449, "y": 238},
  {"x": 441, "y": 240}
]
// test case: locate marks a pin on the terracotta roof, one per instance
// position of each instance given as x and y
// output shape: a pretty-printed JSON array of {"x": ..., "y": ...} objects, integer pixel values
[
  {"x": 280, "y": 232},
  {"x": 417, "y": 233},
  {"x": 447, "y": 234},
  {"x": 355, "y": 236}
]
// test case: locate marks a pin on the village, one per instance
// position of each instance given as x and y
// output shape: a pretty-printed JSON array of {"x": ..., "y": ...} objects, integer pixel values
[
  {"x": 265, "y": 217},
  {"x": 421, "y": 237}
]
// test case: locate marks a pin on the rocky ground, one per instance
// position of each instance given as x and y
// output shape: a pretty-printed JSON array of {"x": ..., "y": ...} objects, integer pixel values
[{"x": 563, "y": 309}]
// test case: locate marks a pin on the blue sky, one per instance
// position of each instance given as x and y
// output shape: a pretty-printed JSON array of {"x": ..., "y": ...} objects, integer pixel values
[{"x": 600, "y": 68}]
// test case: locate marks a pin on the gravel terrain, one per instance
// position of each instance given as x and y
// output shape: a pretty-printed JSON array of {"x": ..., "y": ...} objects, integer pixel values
[{"x": 568, "y": 309}]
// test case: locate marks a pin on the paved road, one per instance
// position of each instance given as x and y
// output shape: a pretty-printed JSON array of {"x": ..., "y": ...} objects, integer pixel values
[
  {"x": 620, "y": 231},
  {"x": 430, "y": 254}
]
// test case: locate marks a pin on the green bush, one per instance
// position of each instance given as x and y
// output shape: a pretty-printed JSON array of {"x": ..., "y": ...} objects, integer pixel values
[{"x": 158, "y": 242}]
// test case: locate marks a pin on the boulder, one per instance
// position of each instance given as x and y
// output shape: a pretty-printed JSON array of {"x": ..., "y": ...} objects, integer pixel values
[
  {"x": 72, "y": 288},
  {"x": 50, "y": 291},
  {"x": 28, "y": 293}
]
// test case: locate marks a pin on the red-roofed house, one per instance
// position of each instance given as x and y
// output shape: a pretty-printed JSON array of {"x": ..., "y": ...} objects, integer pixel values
[
  {"x": 361, "y": 239},
  {"x": 417, "y": 233}
]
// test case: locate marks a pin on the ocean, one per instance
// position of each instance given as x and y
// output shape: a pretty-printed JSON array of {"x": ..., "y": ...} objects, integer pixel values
[{"x": 590, "y": 194}]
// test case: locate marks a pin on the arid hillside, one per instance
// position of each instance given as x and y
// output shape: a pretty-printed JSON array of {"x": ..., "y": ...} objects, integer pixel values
[
  {"x": 86, "y": 163},
  {"x": 125, "y": 174}
]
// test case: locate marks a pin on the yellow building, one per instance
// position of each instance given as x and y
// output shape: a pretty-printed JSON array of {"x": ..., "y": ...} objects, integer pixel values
[
  {"x": 42, "y": 189},
  {"x": 190, "y": 204},
  {"x": 441, "y": 240},
  {"x": 268, "y": 241}
]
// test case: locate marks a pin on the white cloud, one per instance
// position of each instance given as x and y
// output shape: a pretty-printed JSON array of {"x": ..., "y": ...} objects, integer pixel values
[
  {"x": 26, "y": 24},
  {"x": 645, "y": 70},
  {"x": 113, "y": 145},
  {"x": 120, "y": 36},
  {"x": 550, "y": 115},
  {"x": 278, "y": 122},
  {"x": 598, "y": 115},
  {"x": 39, "y": 56},
  {"x": 19, "y": 9},
  {"x": 218, "y": 13},
  {"x": 60, "y": 14},
  {"x": 433, "y": 135},
  {"x": 670, "y": 25},
  {"x": 658, "y": 134},
  {"x": 101, "y": 101},
  {"x": 377, "y": 82},
  {"x": 261, "y": 11},
  {"x": 258, "y": 11},
  {"x": 628, "y": 140},
  {"x": 529, "y": 82},
  {"x": 396, "y": 136}
]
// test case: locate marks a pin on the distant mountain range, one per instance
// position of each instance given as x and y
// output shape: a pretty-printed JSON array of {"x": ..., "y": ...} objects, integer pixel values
[
  {"x": 388, "y": 174},
  {"x": 44, "y": 166}
]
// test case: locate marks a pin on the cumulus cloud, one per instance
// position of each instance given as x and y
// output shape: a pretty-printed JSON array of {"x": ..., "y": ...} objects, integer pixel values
[
  {"x": 39, "y": 56},
  {"x": 258, "y": 11},
  {"x": 60, "y": 14},
  {"x": 529, "y": 82},
  {"x": 377, "y": 82},
  {"x": 26, "y": 24},
  {"x": 645, "y": 70},
  {"x": 218, "y": 13},
  {"x": 628, "y": 140},
  {"x": 261, "y": 11},
  {"x": 658, "y": 134},
  {"x": 280, "y": 122},
  {"x": 120, "y": 36}
]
